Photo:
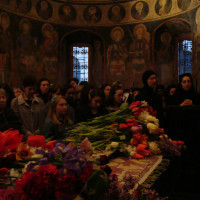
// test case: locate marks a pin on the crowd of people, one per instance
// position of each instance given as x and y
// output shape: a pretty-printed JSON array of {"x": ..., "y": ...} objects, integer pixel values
[{"x": 47, "y": 109}]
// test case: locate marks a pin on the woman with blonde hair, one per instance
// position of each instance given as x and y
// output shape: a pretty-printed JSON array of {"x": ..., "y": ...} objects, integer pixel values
[{"x": 57, "y": 119}]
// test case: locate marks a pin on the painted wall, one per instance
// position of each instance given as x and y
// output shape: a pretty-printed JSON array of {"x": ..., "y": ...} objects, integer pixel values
[{"x": 127, "y": 37}]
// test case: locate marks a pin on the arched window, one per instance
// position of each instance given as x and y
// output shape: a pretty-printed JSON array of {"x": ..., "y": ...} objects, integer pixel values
[
  {"x": 184, "y": 56},
  {"x": 81, "y": 61}
]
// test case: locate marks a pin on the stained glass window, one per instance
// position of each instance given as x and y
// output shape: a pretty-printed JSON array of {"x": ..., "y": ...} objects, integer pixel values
[
  {"x": 185, "y": 57},
  {"x": 81, "y": 62}
]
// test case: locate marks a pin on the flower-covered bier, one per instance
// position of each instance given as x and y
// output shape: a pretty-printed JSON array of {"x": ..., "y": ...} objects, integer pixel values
[{"x": 60, "y": 174}]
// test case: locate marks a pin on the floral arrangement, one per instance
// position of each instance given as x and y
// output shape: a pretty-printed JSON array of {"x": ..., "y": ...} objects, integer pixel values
[
  {"x": 55, "y": 170},
  {"x": 52, "y": 170},
  {"x": 37, "y": 169},
  {"x": 133, "y": 131}
]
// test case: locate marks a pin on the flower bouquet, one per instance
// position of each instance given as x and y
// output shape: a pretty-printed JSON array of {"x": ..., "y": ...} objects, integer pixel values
[
  {"x": 52, "y": 170},
  {"x": 133, "y": 131}
]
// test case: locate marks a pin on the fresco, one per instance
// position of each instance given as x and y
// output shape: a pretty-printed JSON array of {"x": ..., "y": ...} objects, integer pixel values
[
  {"x": 117, "y": 53},
  {"x": 183, "y": 4},
  {"x": 92, "y": 14},
  {"x": 163, "y": 7},
  {"x": 97, "y": 71},
  {"x": 26, "y": 49},
  {"x": 165, "y": 57},
  {"x": 87, "y": 14},
  {"x": 6, "y": 2},
  {"x": 140, "y": 10},
  {"x": 197, "y": 37},
  {"x": 138, "y": 53},
  {"x": 44, "y": 9},
  {"x": 6, "y": 48},
  {"x": 139, "y": 50},
  {"x": 67, "y": 13},
  {"x": 49, "y": 52},
  {"x": 24, "y": 6},
  {"x": 116, "y": 13}
]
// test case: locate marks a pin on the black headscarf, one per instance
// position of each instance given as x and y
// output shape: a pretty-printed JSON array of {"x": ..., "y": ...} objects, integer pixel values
[
  {"x": 146, "y": 76},
  {"x": 182, "y": 94}
]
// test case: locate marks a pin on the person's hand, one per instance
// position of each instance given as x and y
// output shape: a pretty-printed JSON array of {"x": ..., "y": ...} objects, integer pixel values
[{"x": 186, "y": 102}]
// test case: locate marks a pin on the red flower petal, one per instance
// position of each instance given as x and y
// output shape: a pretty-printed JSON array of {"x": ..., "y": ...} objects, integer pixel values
[{"x": 36, "y": 141}]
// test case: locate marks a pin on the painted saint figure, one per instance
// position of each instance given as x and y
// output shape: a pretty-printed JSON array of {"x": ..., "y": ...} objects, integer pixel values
[
  {"x": 92, "y": 14},
  {"x": 6, "y": 48},
  {"x": 44, "y": 9},
  {"x": 117, "y": 53},
  {"x": 183, "y": 4},
  {"x": 163, "y": 7},
  {"x": 140, "y": 10},
  {"x": 49, "y": 51},
  {"x": 116, "y": 13},
  {"x": 24, "y": 6},
  {"x": 67, "y": 13},
  {"x": 26, "y": 49},
  {"x": 139, "y": 52}
]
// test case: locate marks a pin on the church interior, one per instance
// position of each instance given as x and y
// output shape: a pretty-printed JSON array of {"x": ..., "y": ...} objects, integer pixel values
[{"x": 109, "y": 41}]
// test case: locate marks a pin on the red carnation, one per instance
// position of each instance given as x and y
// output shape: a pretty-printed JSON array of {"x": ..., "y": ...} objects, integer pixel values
[
  {"x": 113, "y": 125},
  {"x": 50, "y": 145},
  {"x": 123, "y": 126},
  {"x": 135, "y": 104},
  {"x": 9, "y": 140},
  {"x": 36, "y": 141},
  {"x": 3, "y": 171}
]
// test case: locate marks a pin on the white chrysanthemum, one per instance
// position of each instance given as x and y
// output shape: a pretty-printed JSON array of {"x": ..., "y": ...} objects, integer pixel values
[
  {"x": 152, "y": 127},
  {"x": 144, "y": 103},
  {"x": 122, "y": 137},
  {"x": 114, "y": 144},
  {"x": 143, "y": 115},
  {"x": 14, "y": 173},
  {"x": 153, "y": 119},
  {"x": 153, "y": 146}
]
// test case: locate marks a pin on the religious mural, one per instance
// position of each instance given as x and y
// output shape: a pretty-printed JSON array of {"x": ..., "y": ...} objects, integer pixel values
[
  {"x": 128, "y": 49},
  {"x": 5, "y": 2},
  {"x": 97, "y": 71},
  {"x": 92, "y": 14},
  {"x": 6, "y": 48},
  {"x": 140, "y": 10},
  {"x": 24, "y": 6},
  {"x": 139, "y": 53},
  {"x": 44, "y": 9},
  {"x": 197, "y": 36},
  {"x": 117, "y": 53},
  {"x": 139, "y": 50},
  {"x": 67, "y": 13},
  {"x": 164, "y": 57},
  {"x": 116, "y": 13},
  {"x": 71, "y": 12},
  {"x": 26, "y": 49},
  {"x": 163, "y": 7},
  {"x": 183, "y": 4},
  {"x": 49, "y": 52}
]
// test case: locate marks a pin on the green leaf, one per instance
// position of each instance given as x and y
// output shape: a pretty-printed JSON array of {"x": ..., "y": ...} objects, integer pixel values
[{"x": 96, "y": 185}]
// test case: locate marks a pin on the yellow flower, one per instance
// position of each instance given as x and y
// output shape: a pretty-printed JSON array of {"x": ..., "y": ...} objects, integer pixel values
[
  {"x": 79, "y": 198},
  {"x": 23, "y": 152}
]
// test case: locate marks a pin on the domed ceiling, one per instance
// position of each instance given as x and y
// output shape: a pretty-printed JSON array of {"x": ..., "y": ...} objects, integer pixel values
[{"x": 99, "y": 12}]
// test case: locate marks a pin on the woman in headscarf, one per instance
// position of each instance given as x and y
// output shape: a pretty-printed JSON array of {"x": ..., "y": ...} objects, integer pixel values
[
  {"x": 148, "y": 94},
  {"x": 185, "y": 94}
]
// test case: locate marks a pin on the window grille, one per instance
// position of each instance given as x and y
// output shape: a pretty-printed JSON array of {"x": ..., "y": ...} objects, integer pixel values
[
  {"x": 185, "y": 57},
  {"x": 81, "y": 62}
]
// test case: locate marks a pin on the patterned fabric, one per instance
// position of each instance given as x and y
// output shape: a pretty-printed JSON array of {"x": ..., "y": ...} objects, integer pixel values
[{"x": 139, "y": 169}]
